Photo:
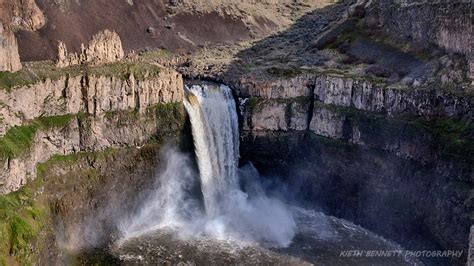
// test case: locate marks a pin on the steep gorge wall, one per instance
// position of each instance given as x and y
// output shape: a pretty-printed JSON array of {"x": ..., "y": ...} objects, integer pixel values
[
  {"x": 381, "y": 156},
  {"x": 339, "y": 107},
  {"x": 361, "y": 94},
  {"x": 79, "y": 147},
  {"x": 86, "y": 93},
  {"x": 84, "y": 113},
  {"x": 76, "y": 202},
  {"x": 447, "y": 24}
]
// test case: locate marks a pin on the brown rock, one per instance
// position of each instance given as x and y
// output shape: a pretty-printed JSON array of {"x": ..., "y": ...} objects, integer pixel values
[
  {"x": 105, "y": 47},
  {"x": 16, "y": 14},
  {"x": 9, "y": 57}
]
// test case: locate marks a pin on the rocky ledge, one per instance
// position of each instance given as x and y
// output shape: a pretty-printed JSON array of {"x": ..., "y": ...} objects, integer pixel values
[
  {"x": 109, "y": 106},
  {"x": 346, "y": 142}
]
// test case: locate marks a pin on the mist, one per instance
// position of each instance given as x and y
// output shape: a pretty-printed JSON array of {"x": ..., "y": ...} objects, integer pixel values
[{"x": 219, "y": 201}]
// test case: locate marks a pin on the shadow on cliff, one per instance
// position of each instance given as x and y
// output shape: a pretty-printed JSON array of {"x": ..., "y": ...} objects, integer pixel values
[
  {"x": 293, "y": 47},
  {"x": 366, "y": 186},
  {"x": 339, "y": 37}
]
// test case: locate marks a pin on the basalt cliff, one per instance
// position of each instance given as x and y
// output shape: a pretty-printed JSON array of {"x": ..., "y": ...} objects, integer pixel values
[{"x": 364, "y": 108}]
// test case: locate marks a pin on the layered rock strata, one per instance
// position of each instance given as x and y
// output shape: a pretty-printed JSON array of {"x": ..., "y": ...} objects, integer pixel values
[
  {"x": 368, "y": 152},
  {"x": 79, "y": 113},
  {"x": 86, "y": 93}
]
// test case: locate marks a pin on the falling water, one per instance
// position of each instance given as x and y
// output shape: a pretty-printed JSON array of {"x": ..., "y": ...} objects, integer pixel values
[
  {"x": 236, "y": 208},
  {"x": 237, "y": 222},
  {"x": 214, "y": 123}
]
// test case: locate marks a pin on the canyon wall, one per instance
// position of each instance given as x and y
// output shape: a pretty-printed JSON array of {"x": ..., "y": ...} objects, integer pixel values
[
  {"x": 79, "y": 147},
  {"x": 87, "y": 93},
  {"x": 392, "y": 159},
  {"x": 447, "y": 24},
  {"x": 77, "y": 113},
  {"x": 88, "y": 194}
]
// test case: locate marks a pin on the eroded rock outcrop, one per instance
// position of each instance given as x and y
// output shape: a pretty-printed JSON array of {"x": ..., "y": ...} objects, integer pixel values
[
  {"x": 9, "y": 57},
  {"x": 90, "y": 94},
  {"x": 105, "y": 47},
  {"x": 101, "y": 112},
  {"x": 91, "y": 134},
  {"x": 15, "y": 15},
  {"x": 22, "y": 14}
]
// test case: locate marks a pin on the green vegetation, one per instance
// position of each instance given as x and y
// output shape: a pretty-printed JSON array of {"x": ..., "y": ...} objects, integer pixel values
[
  {"x": 130, "y": 113},
  {"x": 22, "y": 217},
  {"x": 18, "y": 139},
  {"x": 284, "y": 72},
  {"x": 72, "y": 159},
  {"x": 25, "y": 213},
  {"x": 155, "y": 54},
  {"x": 253, "y": 102},
  {"x": 40, "y": 71},
  {"x": 124, "y": 69},
  {"x": 171, "y": 118},
  {"x": 35, "y": 72},
  {"x": 168, "y": 112},
  {"x": 453, "y": 137}
]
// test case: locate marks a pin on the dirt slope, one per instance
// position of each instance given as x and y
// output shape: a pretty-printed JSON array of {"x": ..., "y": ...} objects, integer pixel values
[{"x": 178, "y": 26}]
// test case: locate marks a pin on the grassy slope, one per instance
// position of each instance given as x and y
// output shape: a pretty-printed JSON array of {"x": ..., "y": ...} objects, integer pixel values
[
  {"x": 40, "y": 71},
  {"x": 19, "y": 139},
  {"x": 22, "y": 217}
]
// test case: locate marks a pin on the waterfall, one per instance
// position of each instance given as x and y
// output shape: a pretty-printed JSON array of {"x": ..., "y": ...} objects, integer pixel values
[
  {"x": 213, "y": 116},
  {"x": 236, "y": 207}
]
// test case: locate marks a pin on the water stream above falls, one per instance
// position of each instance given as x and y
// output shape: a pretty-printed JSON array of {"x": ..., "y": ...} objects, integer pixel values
[{"x": 222, "y": 214}]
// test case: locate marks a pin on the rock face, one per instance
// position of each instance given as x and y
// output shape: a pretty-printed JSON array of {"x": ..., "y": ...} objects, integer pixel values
[
  {"x": 357, "y": 111},
  {"x": 105, "y": 47},
  {"x": 104, "y": 100},
  {"x": 359, "y": 93},
  {"x": 22, "y": 14},
  {"x": 15, "y": 15},
  {"x": 87, "y": 199},
  {"x": 93, "y": 95},
  {"x": 378, "y": 155},
  {"x": 447, "y": 24},
  {"x": 9, "y": 57},
  {"x": 91, "y": 134}
]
